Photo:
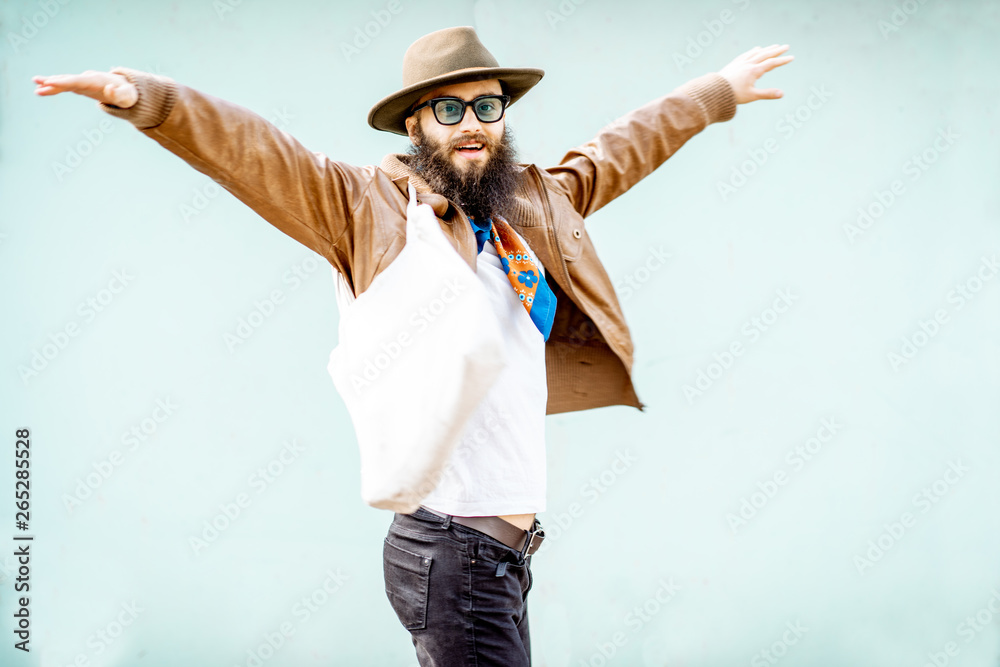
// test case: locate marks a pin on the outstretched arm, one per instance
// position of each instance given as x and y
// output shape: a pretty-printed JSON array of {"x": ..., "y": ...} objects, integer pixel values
[
  {"x": 632, "y": 147},
  {"x": 304, "y": 194}
]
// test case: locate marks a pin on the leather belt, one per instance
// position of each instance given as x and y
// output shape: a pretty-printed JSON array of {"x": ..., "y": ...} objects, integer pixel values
[{"x": 526, "y": 542}]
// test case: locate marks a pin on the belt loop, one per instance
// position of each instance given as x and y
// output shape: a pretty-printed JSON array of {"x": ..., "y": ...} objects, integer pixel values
[{"x": 445, "y": 518}]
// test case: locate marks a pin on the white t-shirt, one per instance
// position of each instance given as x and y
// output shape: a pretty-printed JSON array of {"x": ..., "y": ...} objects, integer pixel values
[{"x": 499, "y": 465}]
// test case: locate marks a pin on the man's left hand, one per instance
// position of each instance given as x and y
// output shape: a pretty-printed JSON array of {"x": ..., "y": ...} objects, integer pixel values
[{"x": 745, "y": 69}]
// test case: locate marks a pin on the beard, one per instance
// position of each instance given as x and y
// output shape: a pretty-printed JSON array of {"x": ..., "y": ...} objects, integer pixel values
[{"x": 482, "y": 190}]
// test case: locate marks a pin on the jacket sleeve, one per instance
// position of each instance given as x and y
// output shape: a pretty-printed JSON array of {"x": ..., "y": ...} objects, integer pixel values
[
  {"x": 632, "y": 147},
  {"x": 304, "y": 194}
]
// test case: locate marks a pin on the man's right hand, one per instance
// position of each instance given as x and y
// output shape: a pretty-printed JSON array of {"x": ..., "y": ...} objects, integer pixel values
[{"x": 105, "y": 87}]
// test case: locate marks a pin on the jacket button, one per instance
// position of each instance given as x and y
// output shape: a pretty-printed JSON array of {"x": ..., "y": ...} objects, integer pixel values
[{"x": 577, "y": 233}]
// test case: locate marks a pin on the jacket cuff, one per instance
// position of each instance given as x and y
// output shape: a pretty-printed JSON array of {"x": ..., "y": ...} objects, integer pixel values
[
  {"x": 157, "y": 95},
  {"x": 714, "y": 95}
]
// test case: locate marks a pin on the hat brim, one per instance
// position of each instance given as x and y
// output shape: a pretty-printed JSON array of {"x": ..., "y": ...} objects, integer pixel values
[{"x": 389, "y": 114}]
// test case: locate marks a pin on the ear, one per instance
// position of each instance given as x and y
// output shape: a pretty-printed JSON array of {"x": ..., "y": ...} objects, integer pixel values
[{"x": 411, "y": 125}]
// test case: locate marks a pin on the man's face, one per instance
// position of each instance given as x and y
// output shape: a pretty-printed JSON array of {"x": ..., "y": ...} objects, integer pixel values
[
  {"x": 452, "y": 141},
  {"x": 482, "y": 180}
]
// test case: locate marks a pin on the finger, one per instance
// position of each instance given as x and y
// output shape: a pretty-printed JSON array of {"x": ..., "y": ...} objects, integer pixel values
[
  {"x": 59, "y": 82},
  {"x": 769, "y": 52},
  {"x": 767, "y": 93},
  {"x": 49, "y": 89},
  {"x": 58, "y": 78},
  {"x": 771, "y": 63}
]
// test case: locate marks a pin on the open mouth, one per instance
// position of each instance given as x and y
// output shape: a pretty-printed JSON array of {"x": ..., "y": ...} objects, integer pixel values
[{"x": 470, "y": 150}]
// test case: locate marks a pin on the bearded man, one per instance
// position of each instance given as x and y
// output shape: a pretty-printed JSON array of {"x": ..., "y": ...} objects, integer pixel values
[{"x": 457, "y": 570}]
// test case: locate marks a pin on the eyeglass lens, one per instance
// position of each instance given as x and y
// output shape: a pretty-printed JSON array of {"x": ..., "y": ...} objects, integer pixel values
[{"x": 487, "y": 109}]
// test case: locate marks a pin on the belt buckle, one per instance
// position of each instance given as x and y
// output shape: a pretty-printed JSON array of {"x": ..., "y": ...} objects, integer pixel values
[{"x": 536, "y": 529}]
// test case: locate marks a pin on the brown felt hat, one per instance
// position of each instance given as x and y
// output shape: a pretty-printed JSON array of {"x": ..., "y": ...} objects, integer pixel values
[{"x": 452, "y": 55}]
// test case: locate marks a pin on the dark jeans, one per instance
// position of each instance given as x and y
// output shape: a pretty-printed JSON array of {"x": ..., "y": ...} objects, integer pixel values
[{"x": 462, "y": 594}]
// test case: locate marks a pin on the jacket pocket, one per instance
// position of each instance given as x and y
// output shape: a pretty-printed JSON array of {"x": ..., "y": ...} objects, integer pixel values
[
  {"x": 564, "y": 220},
  {"x": 568, "y": 226},
  {"x": 571, "y": 233},
  {"x": 407, "y": 578}
]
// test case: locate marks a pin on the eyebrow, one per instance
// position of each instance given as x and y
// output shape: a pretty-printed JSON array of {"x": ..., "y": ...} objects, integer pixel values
[{"x": 438, "y": 97}]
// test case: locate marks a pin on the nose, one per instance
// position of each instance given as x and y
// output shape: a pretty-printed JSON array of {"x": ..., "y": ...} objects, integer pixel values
[{"x": 470, "y": 123}]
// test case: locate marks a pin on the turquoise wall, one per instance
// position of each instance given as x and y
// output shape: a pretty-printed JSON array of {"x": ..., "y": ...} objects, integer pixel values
[{"x": 837, "y": 477}]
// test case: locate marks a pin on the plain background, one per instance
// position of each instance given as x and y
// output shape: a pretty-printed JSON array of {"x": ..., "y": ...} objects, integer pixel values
[{"x": 874, "y": 85}]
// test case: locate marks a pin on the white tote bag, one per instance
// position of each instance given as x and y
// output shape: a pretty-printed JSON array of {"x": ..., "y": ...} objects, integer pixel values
[{"x": 418, "y": 351}]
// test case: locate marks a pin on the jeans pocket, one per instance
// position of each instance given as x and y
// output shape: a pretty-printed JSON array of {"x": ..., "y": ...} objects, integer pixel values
[{"x": 407, "y": 577}]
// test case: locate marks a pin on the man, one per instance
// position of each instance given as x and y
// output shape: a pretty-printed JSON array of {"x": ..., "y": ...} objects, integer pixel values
[{"x": 457, "y": 571}]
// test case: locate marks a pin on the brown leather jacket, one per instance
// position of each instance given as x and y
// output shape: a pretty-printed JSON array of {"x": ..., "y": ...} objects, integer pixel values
[{"x": 355, "y": 217}]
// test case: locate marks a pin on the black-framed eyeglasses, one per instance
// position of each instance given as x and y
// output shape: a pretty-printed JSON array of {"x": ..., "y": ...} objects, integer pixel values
[{"x": 451, "y": 110}]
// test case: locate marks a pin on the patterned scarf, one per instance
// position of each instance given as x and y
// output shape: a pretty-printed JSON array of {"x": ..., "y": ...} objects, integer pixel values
[{"x": 524, "y": 273}]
